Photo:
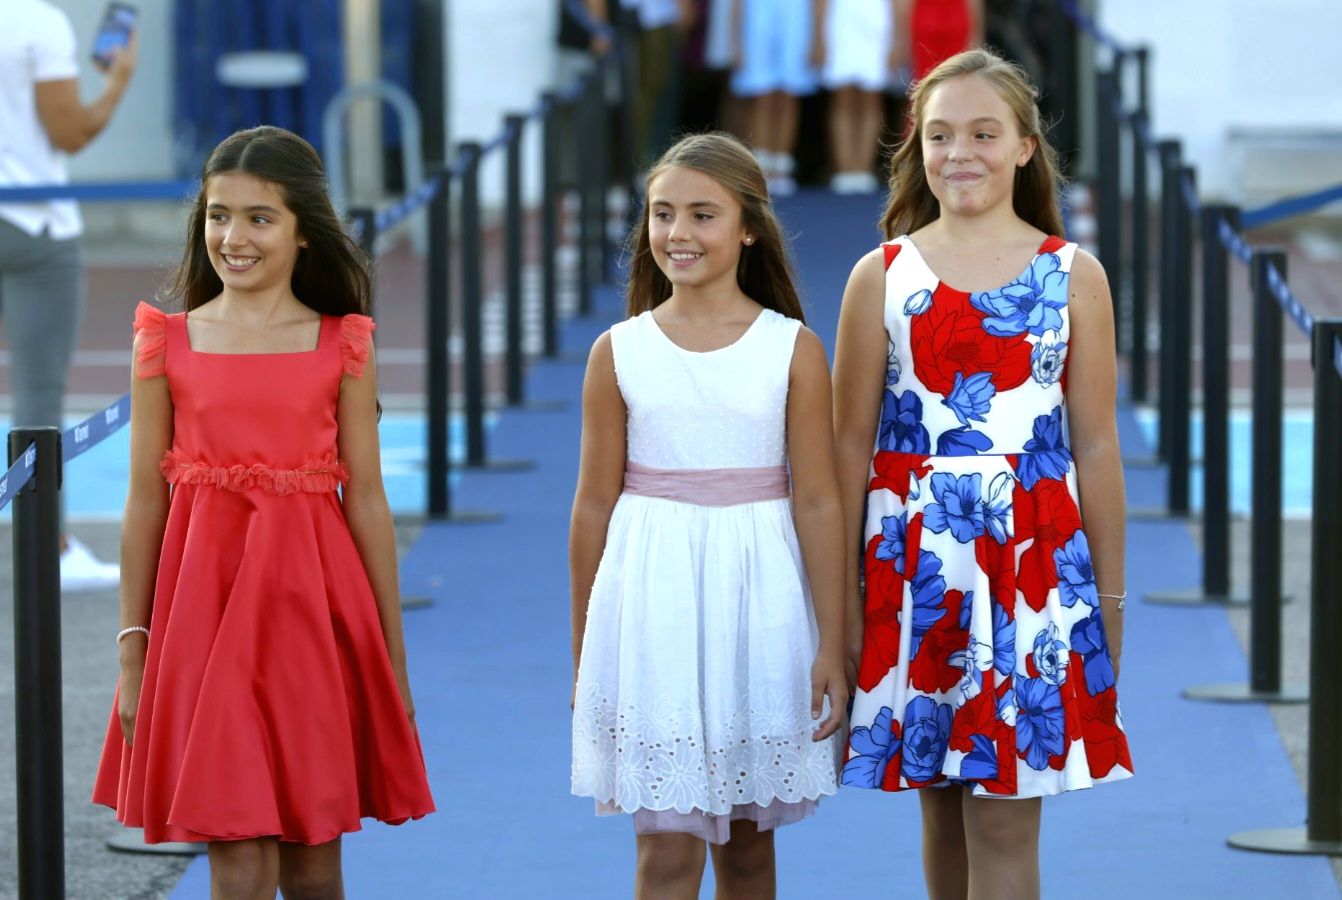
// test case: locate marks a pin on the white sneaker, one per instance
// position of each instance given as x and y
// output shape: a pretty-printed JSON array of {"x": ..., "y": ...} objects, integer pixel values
[{"x": 82, "y": 571}]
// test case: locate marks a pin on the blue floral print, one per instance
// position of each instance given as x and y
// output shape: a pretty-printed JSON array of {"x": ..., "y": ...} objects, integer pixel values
[
  {"x": 927, "y": 732},
  {"x": 1040, "y": 727},
  {"x": 875, "y": 747},
  {"x": 1047, "y": 359},
  {"x": 958, "y": 506},
  {"x": 918, "y": 302},
  {"x": 997, "y": 507},
  {"x": 929, "y": 595},
  {"x": 970, "y": 397},
  {"x": 981, "y": 762},
  {"x": 894, "y": 530},
  {"x": 1050, "y": 655},
  {"x": 1088, "y": 639},
  {"x": 1076, "y": 574},
  {"x": 1004, "y": 641},
  {"x": 962, "y": 441},
  {"x": 1030, "y": 303},
  {"x": 902, "y": 428},
  {"x": 974, "y": 660},
  {"x": 1045, "y": 456},
  {"x": 892, "y": 366}
]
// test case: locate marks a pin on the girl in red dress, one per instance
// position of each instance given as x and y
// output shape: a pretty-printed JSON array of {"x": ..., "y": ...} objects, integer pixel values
[
  {"x": 263, "y": 704},
  {"x": 936, "y": 30}
]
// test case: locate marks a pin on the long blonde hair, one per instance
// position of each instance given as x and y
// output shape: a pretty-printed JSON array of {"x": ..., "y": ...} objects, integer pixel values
[
  {"x": 764, "y": 272},
  {"x": 1034, "y": 196}
]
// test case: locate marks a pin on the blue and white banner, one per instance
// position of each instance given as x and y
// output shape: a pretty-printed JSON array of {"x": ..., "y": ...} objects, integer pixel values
[{"x": 95, "y": 428}]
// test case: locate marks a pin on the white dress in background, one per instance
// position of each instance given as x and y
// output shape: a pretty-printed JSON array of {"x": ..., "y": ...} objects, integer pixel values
[
  {"x": 858, "y": 39},
  {"x": 693, "y": 701}
]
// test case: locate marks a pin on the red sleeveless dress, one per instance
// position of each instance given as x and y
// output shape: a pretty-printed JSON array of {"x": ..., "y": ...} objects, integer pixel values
[
  {"x": 938, "y": 29},
  {"x": 269, "y": 707}
]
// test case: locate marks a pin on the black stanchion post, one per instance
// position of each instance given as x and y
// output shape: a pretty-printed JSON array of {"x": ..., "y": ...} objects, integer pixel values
[
  {"x": 585, "y": 153},
  {"x": 1323, "y": 832},
  {"x": 438, "y": 371},
  {"x": 1215, "y": 437},
  {"x": 549, "y": 232},
  {"x": 1181, "y": 350},
  {"x": 1062, "y": 69},
  {"x": 37, "y": 668},
  {"x": 1139, "y": 273},
  {"x": 604, "y": 251},
  {"x": 1169, "y": 226},
  {"x": 512, "y": 256},
  {"x": 1108, "y": 164},
  {"x": 365, "y": 223},
  {"x": 472, "y": 299}
]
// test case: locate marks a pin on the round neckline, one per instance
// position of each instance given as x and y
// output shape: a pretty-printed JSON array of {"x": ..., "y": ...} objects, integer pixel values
[
  {"x": 321, "y": 335},
  {"x": 666, "y": 337},
  {"x": 943, "y": 283}
]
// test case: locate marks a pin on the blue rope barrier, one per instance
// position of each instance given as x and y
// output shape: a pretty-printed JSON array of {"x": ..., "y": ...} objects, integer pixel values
[
  {"x": 1190, "y": 193},
  {"x": 1235, "y": 243},
  {"x": 1337, "y": 360},
  {"x": 408, "y": 205},
  {"x": 1288, "y": 301},
  {"x": 18, "y": 475},
  {"x": 1291, "y": 206},
  {"x": 1086, "y": 23},
  {"x": 100, "y": 191},
  {"x": 95, "y": 429}
]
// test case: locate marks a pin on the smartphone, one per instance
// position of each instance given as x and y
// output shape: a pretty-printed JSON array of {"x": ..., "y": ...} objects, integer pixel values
[{"x": 114, "y": 32}]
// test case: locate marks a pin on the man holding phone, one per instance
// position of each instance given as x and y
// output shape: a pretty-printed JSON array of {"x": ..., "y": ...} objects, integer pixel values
[{"x": 42, "y": 119}]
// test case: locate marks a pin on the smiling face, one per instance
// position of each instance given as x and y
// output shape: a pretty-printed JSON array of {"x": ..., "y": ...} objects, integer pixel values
[
  {"x": 695, "y": 229},
  {"x": 972, "y": 146},
  {"x": 251, "y": 236}
]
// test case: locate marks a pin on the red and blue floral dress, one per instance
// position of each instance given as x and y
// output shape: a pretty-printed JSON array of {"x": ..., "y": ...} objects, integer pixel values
[{"x": 984, "y": 659}]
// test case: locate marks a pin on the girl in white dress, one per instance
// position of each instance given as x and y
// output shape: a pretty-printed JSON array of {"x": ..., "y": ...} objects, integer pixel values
[
  {"x": 859, "y": 60},
  {"x": 708, "y": 682}
]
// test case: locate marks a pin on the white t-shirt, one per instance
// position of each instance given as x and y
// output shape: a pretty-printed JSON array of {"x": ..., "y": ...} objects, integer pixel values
[{"x": 37, "y": 43}]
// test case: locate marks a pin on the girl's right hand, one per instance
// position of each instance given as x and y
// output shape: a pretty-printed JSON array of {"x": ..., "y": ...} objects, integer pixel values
[{"x": 128, "y": 697}]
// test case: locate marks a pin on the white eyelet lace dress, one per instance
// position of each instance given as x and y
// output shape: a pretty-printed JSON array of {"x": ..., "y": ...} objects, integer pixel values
[{"x": 693, "y": 701}]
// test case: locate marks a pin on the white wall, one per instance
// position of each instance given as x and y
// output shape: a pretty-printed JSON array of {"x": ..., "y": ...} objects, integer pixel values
[{"x": 1222, "y": 68}]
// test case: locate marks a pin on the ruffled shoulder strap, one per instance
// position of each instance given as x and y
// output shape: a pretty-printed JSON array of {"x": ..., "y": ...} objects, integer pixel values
[
  {"x": 150, "y": 329},
  {"x": 356, "y": 339}
]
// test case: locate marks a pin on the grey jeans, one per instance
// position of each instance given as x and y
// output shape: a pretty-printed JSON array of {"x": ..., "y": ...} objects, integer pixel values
[{"x": 41, "y": 310}]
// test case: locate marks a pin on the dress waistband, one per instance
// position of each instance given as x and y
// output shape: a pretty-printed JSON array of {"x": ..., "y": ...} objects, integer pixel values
[
  {"x": 708, "y": 487},
  {"x": 317, "y": 477}
]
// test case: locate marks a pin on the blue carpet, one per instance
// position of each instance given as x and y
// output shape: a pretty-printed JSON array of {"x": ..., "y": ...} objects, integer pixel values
[{"x": 491, "y": 672}]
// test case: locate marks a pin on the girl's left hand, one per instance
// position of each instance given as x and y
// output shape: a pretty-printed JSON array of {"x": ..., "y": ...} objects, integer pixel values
[{"x": 828, "y": 680}]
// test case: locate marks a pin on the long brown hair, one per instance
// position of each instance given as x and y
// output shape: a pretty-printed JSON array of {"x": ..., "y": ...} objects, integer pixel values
[
  {"x": 332, "y": 274},
  {"x": 764, "y": 272},
  {"x": 1034, "y": 196}
]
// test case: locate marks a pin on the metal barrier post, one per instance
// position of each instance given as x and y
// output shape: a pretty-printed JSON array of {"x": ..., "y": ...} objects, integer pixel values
[
  {"x": 472, "y": 304},
  {"x": 1323, "y": 831},
  {"x": 1062, "y": 67},
  {"x": 512, "y": 256},
  {"x": 1141, "y": 248},
  {"x": 1181, "y": 350},
  {"x": 1169, "y": 227},
  {"x": 37, "y": 667},
  {"x": 601, "y": 126},
  {"x": 365, "y": 220},
  {"x": 1215, "y": 436},
  {"x": 438, "y": 370},
  {"x": 586, "y": 150},
  {"x": 549, "y": 232},
  {"x": 1109, "y": 153}
]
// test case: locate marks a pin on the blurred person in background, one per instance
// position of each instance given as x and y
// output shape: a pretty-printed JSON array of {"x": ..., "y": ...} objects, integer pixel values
[
  {"x": 777, "y": 49},
  {"x": 42, "y": 119},
  {"x": 936, "y": 30},
  {"x": 708, "y": 62},
  {"x": 859, "y": 55}
]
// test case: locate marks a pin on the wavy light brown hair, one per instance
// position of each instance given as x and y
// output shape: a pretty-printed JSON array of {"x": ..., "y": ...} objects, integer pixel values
[
  {"x": 764, "y": 272},
  {"x": 1034, "y": 196},
  {"x": 332, "y": 275}
]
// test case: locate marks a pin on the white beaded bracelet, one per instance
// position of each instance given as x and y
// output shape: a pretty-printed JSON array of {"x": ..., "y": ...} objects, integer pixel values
[
  {"x": 1121, "y": 598},
  {"x": 131, "y": 630}
]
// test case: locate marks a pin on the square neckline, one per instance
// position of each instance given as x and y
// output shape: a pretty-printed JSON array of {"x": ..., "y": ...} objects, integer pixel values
[
  {"x": 941, "y": 282},
  {"x": 321, "y": 338}
]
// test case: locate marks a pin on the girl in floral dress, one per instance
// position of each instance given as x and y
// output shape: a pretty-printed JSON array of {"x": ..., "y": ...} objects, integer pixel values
[
  {"x": 264, "y": 705},
  {"x": 976, "y": 357},
  {"x": 704, "y": 549}
]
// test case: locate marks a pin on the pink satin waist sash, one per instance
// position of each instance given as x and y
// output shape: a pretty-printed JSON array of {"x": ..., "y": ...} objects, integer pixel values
[{"x": 708, "y": 487}]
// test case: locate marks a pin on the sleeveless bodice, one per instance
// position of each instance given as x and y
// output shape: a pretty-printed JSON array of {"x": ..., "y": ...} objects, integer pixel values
[{"x": 721, "y": 409}]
